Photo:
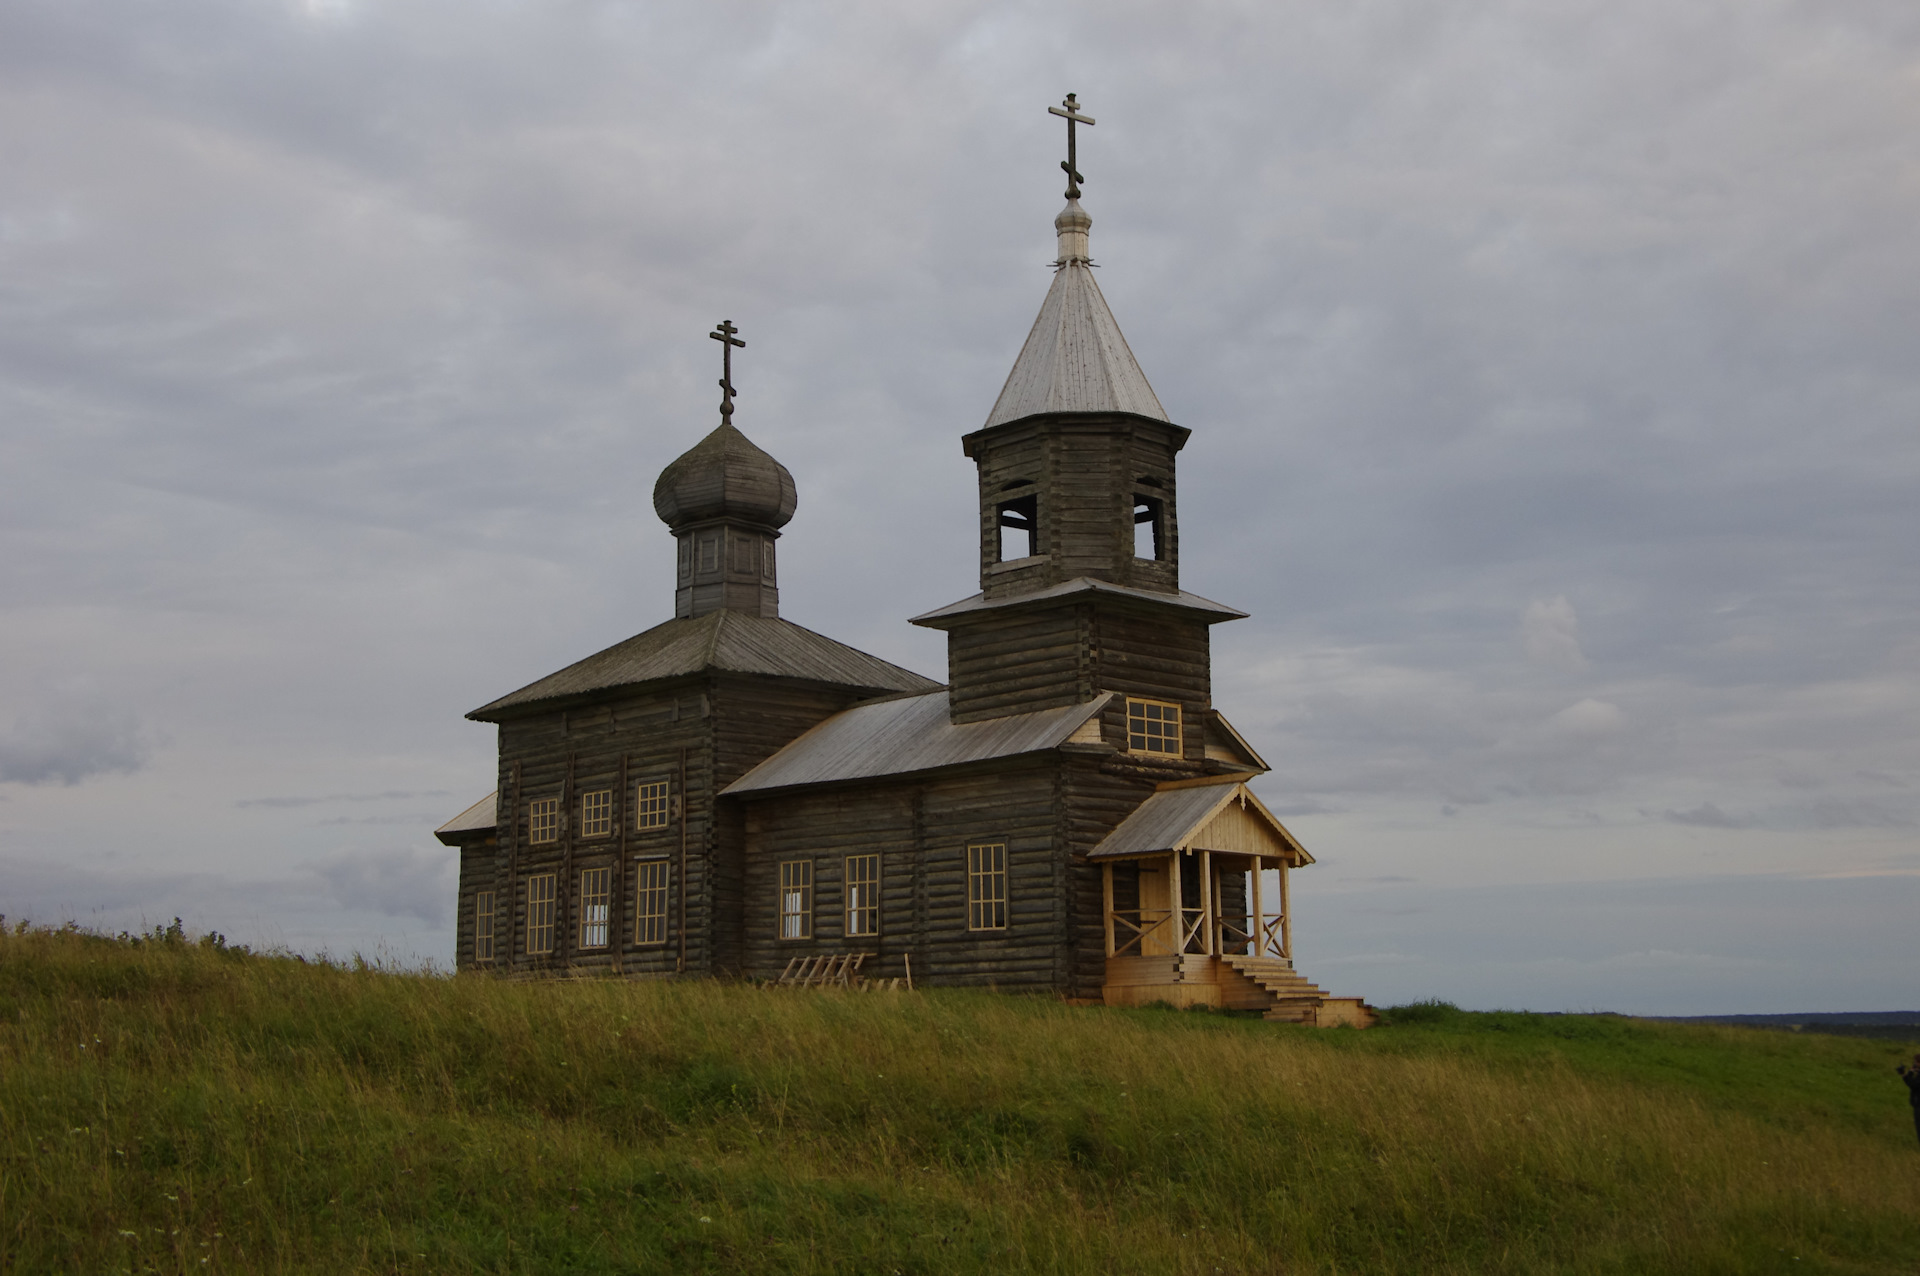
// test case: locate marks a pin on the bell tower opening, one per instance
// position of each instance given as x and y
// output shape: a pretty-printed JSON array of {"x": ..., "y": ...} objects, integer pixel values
[
  {"x": 1149, "y": 526},
  {"x": 1017, "y": 521}
]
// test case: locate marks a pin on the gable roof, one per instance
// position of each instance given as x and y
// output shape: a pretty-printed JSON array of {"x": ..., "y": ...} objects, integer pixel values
[
  {"x": 733, "y": 641},
  {"x": 482, "y": 817},
  {"x": 1075, "y": 358},
  {"x": 911, "y": 733},
  {"x": 1208, "y": 816}
]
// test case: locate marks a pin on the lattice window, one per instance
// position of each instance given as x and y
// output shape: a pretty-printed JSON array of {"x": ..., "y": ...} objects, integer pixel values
[
  {"x": 596, "y": 895},
  {"x": 543, "y": 821},
  {"x": 650, "y": 902},
  {"x": 650, "y": 806},
  {"x": 987, "y": 887},
  {"x": 483, "y": 926},
  {"x": 863, "y": 895},
  {"x": 796, "y": 899},
  {"x": 1153, "y": 726},
  {"x": 540, "y": 914},
  {"x": 596, "y": 813}
]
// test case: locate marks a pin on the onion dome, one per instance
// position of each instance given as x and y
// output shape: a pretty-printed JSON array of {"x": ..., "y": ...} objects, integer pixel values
[{"x": 724, "y": 476}]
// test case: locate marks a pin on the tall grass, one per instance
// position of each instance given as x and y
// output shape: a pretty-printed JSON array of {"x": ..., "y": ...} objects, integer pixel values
[{"x": 170, "y": 1106}]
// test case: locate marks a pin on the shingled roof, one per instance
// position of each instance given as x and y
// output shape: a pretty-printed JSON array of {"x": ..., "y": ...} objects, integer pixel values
[{"x": 727, "y": 640}]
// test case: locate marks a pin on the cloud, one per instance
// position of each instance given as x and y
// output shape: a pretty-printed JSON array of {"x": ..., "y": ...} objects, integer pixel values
[
  {"x": 1550, "y": 635},
  {"x": 1588, "y": 720},
  {"x": 72, "y": 743},
  {"x": 395, "y": 883},
  {"x": 1706, "y": 816},
  {"x": 391, "y": 795}
]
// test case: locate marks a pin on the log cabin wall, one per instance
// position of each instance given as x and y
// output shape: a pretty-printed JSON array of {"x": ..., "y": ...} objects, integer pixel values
[
  {"x": 479, "y": 871},
  {"x": 722, "y": 725},
  {"x": 921, "y": 830},
  {"x": 1020, "y": 660},
  {"x": 1085, "y": 472}
]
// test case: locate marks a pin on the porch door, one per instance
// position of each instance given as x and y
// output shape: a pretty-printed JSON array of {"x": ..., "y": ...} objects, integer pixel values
[{"x": 1154, "y": 902}]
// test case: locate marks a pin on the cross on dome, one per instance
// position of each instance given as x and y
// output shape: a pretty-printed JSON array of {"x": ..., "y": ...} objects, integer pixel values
[
  {"x": 724, "y": 335},
  {"x": 1072, "y": 116}
]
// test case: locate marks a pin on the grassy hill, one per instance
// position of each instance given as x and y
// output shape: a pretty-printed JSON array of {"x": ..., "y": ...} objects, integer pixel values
[{"x": 176, "y": 1106}]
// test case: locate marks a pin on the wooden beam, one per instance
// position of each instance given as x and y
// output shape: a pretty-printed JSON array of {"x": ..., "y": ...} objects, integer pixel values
[
  {"x": 1259, "y": 911},
  {"x": 1209, "y": 942},
  {"x": 1286, "y": 916},
  {"x": 1106, "y": 902},
  {"x": 1175, "y": 903}
]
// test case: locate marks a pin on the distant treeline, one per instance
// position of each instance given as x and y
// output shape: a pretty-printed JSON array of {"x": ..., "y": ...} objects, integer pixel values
[{"x": 1888, "y": 1025}]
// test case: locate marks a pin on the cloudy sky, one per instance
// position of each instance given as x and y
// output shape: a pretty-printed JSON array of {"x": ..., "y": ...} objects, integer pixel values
[{"x": 1551, "y": 369}]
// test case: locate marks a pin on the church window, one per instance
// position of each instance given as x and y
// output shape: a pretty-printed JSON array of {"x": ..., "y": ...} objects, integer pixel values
[
  {"x": 766, "y": 560},
  {"x": 710, "y": 552},
  {"x": 595, "y": 895},
  {"x": 1149, "y": 527},
  {"x": 650, "y": 902},
  {"x": 543, "y": 821},
  {"x": 650, "y": 805},
  {"x": 987, "y": 887},
  {"x": 483, "y": 926},
  {"x": 863, "y": 895},
  {"x": 1018, "y": 520},
  {"x": 596, "y": 813},
  {"x": 540, "y": 914},
  {"x": 796, "y": 899},
  {"x": 686, "y": 557},
  {"x": 1153, "y": 726}
]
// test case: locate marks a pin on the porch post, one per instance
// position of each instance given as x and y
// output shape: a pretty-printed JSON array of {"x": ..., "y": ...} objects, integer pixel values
[
  {"x": 1209, "y": 942},
  {"x": 1259, "y": 918},
  {"x": 1286, "y": 916},
  {"x": 1106, "y": 901},
  {"x": 1175, "y": 903}
]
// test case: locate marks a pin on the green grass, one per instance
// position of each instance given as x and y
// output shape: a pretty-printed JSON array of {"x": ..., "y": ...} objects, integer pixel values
[{"x": 172, "y": 1106}]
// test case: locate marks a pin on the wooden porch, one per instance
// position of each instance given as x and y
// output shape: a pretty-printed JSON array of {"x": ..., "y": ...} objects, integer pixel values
[{"x": 1186, "y": 940}]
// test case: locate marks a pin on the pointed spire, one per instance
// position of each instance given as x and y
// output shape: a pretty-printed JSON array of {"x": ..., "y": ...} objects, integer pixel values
[{"x": 1075, "y": 358}]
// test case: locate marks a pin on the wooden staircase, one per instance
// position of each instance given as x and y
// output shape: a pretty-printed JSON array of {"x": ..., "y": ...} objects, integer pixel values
[{"x": 1287, "y": 995}]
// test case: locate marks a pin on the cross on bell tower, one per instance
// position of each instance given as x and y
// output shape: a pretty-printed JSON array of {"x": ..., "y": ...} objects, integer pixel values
[{"x": 1071, "y": 164}]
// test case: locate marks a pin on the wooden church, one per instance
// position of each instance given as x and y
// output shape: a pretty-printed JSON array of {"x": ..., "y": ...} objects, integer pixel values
[{"x": 729, "y": 794}]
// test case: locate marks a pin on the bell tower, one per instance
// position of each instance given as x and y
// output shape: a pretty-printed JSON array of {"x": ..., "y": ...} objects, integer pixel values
[{"x": 1079, "y": 517}]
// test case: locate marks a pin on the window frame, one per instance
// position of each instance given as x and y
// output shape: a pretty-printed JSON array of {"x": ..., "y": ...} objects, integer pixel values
[
  {"x": 861, "y": 896},
  {"x": 796, "y": 881},
  {"x": 987, "y": 886},
  {"x": 484, "y": 916},
  {"x": 543, "y": 821},
  {"x": 596, "y": 892},
  {"x": 649, "y": 891},
  {"x": 596, "y": 813},
  {"x": 542, "y": 911},
  {"x": 1177, "y": 735},
  {"x": 652, "y": 804}
]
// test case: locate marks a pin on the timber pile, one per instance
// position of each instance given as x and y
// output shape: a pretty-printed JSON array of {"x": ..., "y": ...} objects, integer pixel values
[{"x": 834, "y": 971}]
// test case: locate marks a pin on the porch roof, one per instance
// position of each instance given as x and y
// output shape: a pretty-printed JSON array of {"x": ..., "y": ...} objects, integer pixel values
[{"x": 1220, "y": 816}]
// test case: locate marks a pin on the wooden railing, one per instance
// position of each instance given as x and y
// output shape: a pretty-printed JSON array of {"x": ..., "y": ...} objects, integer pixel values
[{"x": 1233, "y": 933}]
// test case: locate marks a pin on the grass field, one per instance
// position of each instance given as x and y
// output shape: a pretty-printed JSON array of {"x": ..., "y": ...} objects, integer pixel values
[{"x": 175, "y": 1106}]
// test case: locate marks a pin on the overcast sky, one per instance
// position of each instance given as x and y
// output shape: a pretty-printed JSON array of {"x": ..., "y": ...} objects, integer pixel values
[{"x": 1551, "y": 371}]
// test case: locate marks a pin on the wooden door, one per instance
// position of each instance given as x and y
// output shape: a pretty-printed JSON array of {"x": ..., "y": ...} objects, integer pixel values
[{"x": 1154, "y": 902}]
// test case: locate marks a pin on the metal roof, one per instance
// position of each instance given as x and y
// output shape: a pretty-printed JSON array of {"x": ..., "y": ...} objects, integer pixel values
[
  {"x": 1179, "y": 813},
  {"x": 1075, "y": 358},
  {"x": 1080, "y": 584},
  {"x": 482, "y": 817},
  {"x": 912, "y": 733},
  {"x": 733, "y": 641}
]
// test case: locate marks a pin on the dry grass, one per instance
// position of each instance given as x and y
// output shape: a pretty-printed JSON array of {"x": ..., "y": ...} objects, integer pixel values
[{"x": 173, "y": 1107}]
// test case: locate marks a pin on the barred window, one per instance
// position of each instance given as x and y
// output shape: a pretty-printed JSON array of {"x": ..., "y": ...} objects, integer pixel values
[
  {"x": 650, "y": 806},
  {"x": 987, "y": 887},
  {"x": 540, "y": 914},
  {"x": 863, "y": 895},
  {"x": 650, "y": 902},
  {"x": 596, "y": 892},
  {"x": 796, "y": 899},
  {"x": 483, "y": 926},
  {"x": 596, "y": 813},
  {"x": 1153, "y": 726},
  {"x": 543, "y": 821}
]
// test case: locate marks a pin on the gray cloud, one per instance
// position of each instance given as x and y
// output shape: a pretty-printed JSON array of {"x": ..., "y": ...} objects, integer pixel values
[
  {"x": 71, "y": 742},
  {"x": 1549, "y": 369}
]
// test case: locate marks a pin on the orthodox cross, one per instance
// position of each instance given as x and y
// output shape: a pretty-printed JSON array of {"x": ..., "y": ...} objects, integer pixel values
[
  {"x": 724, "y": 335},
  {"x": 1072, "y": 116}
]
